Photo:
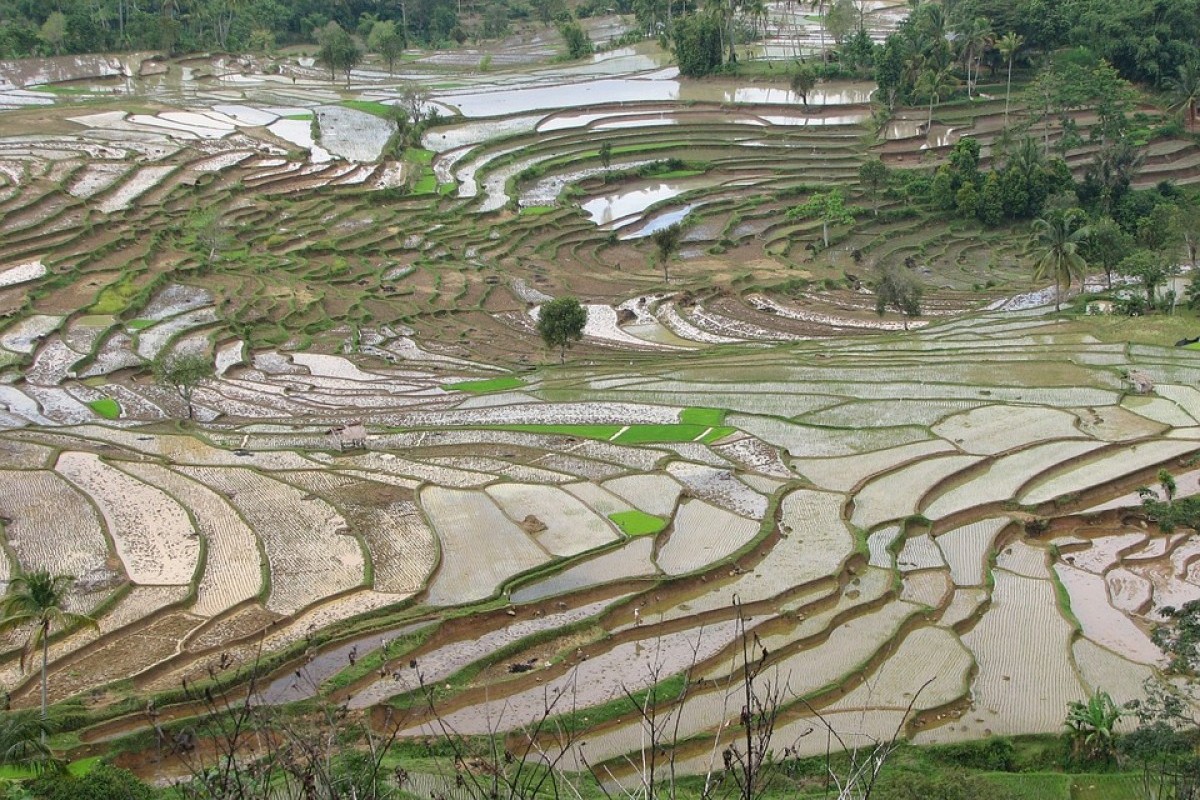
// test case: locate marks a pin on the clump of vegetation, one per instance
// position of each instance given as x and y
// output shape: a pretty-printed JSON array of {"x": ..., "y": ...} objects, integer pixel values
[{"x": 560, "y": 324}]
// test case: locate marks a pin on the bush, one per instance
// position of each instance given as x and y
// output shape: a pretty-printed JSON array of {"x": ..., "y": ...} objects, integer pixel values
[
  {"x": 995, "y": 754},
  {"x": 105, "y": 782}
]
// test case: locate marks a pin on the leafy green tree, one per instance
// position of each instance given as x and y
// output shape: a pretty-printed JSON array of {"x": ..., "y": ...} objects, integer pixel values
[
  {"x": 804, "y": 79},
  {"x": 666, "y": 244},
  {"x": 697, "y": 42},
  {"x": 829, "y": 207},
  {"x": 1107, "y": 245},
  {"x": 1185, "y": 224},
  {"x": 840, "y": 21},
  {"x": 54, "y": 32},
  {"x": 1009, "y": 44},
  {"x": 35, "y": 602},
  {"x": 1091, "y": 726},
  {"x": 897, "y": 288},
  {"x": 338, "y": 51},
  {"x": 560, "y": 323},
  {"x": 966, "y": 201},
  {"x": 182, "y": 374},
  {"x": 889, "y": 69},
  {"x": 576, "y": 39},
  {"x": 873, "y": 175},
  {"x": 990, "y": 208},
  {"x": 388, "y": 42},
  {"x": 1150, "y": 269},
  {"x": 1056, "y": 241},
  {"x": 976, "y": 36}
]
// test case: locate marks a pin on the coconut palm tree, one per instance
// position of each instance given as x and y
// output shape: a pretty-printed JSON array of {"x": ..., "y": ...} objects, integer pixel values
[
  {"x": 36, "y": 600},
  {"x": 1184, "y": 91},
  {"x": 23, "y": 743},
  {"x": 1056, "y": 241},
  {"x": 935, "y": 84},
  {"x": 1008, "y": 45},
  {"x": 975, "y": 36}
]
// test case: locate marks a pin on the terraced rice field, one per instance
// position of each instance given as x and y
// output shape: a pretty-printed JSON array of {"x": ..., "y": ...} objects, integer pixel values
[{"x": 718, "y": 459}]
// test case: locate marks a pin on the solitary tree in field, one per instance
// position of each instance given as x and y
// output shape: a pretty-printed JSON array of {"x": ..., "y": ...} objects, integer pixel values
[
  {"x": 873, "y": 175},
  {"x": 605, "y": 154},
  {"x": 1056, "y": 241},
  {"x": 830, "y": 207},
  {"x": 339, "y": 52},
  {"x": 1008, "y": 45},
  {"x": 182, "y": 373},
  {"x": 896, "y": 288},
  {"x": 666, "y": 245},
  {"x": 37, "y": 600},
  {"x": 388, "y": 42},
  {"x": 804, "y": 79},
  {"x": 560, "y": 323}
]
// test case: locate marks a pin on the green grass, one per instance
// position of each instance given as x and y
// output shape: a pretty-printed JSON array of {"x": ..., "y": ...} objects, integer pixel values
[
  {"x": 302, "y": 117},
  {"x": 418, "y": 155},
  {"x": 370, "y": 107},
  {"x": 637, "y": 523},
  {"x": 1031, "y": 786},
  {"x": 139, "y": 324},
  {"x": 536, "y": 211},
  {"x": 488, "y": 385},
  {"x": 106, "y": 407}
]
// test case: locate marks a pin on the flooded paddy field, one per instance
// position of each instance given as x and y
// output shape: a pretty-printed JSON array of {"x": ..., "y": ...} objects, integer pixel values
[{"x": 718, "y": 456}]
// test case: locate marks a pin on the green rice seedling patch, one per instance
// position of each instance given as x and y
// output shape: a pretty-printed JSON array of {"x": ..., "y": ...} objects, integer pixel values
[
  {"x": 500, "y": 384},
  {"x": 302, "y": 117},
  {"x": 702, "y": 416},
  {"x": 604, "y": 432},
  {"x": 418, "y": 155},
  {"x": 106, "y": 407},
  {"x": 370, "y": 107},
  {"x": 642, "y": 434},
  {"x": 116, "y": 298},
  {"x": 637, "y": 523},
  {"x": 426, "y": 184},
  {"x": 139, "y": 324},
  {"x": 536, "y": 211}
]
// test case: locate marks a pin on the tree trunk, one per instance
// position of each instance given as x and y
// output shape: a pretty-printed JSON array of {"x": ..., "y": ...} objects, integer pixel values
[
  {"x": 825, "y": 232},
  {"x": 1008, "y": 91},
  {"x": 562, "y": 354},
  {"x": 45, "y": 659}
]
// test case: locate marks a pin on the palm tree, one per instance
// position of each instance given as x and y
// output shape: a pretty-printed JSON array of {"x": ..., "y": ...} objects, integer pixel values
[
  {"x": 934, "y": 84},
  {"x": 1091, "y": 724},
  {"x": 976, "y": 36},
  {"x": 36, "y": 599},
  {"x": 1008, "y": 45},
  {"x": 23, "y": 743},
  {"x": 1185, "y": 91},
  {"x": 1056, "y": 241},
  {"x": 819, "y": 7}
]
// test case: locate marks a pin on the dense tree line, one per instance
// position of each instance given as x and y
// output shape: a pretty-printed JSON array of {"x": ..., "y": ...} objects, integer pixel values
[{"x": 83, "y": 26}]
